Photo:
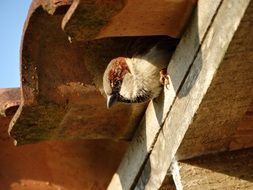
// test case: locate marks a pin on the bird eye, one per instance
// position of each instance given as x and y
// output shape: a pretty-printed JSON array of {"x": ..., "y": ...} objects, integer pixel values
[{"x": 116, "y": 84}]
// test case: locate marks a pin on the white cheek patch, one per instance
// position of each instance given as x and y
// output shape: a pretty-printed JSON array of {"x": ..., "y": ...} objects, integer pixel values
[
  {"x": 128, "y": 87},
  {"x": 125, "y": 92}
]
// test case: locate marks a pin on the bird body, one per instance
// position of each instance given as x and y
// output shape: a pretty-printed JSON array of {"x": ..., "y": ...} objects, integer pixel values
[
  {"x": 136, "y": 79},
  {"x": 144, "y": 76}
]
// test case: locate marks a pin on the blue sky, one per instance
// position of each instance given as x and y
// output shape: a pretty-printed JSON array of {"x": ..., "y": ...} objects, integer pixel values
[{"x": 12, "y": 14}]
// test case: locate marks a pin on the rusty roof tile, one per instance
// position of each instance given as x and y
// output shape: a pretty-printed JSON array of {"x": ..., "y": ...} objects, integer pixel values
[{"x": 62, "y": 79}]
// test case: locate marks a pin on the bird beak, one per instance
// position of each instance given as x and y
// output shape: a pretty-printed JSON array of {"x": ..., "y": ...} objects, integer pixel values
[{"x": 111, "y": 99}]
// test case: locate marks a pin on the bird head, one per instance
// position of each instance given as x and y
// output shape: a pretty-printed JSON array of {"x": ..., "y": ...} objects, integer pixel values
[{"x": 113, "y": 79}]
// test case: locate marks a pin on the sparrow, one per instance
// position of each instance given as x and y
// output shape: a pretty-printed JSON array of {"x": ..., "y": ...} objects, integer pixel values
[{"x": 140, "y": 77}]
